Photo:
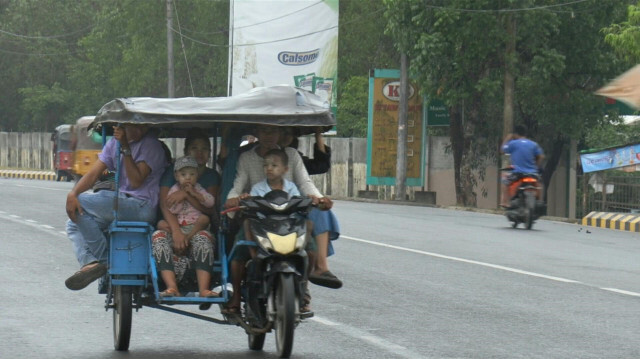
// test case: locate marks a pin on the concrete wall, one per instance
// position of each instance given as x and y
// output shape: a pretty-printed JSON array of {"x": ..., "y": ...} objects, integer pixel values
[
  {"x": 348, "y": 170},
  {"x": 561, "y": 196},
  {"x": 26, "y": 150}
]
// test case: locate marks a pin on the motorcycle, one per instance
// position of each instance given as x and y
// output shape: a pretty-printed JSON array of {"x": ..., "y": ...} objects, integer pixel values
[
  {"x": 525, "y": 206},
  {"x": 273, "y": 291}
]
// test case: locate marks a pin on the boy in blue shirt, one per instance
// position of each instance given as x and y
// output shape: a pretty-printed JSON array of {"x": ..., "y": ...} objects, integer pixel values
[{"x": 275, "y": 166}]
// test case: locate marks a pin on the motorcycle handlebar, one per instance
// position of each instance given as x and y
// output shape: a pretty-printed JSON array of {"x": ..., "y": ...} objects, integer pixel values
[{"x": 232, "y": 209}]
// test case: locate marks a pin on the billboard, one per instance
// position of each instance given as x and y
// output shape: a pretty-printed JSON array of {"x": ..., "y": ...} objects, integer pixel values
[
  {"x": 611, "y": 158},
  {"x": 382, "y": 134},
  {"x": 293, "y": 42}
]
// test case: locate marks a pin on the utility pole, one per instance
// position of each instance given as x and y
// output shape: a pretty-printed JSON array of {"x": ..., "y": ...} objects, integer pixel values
[
  {"x": 170, "y": 64},
  {"x": 509, "y": 86},
  {"x": 509, "y": 82},
  {"x": 401, "y": 168}
]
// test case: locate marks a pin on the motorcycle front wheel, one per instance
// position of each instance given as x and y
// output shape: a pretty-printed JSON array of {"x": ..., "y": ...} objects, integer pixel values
[
  {"x": 256, "y": 341},
  {"x": 285, "y": 302}
]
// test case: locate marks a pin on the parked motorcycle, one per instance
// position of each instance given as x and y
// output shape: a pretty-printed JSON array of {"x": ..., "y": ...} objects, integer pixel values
[
  {"x": 273, "y": 291},
  {"x": 525, "y": 207}
]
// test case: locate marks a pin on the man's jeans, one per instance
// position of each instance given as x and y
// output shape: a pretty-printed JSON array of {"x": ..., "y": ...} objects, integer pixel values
[{"x": 87, "y": 235}]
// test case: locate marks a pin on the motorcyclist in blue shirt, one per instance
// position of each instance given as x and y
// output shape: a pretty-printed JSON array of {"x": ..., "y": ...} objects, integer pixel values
[{"x": 526, "y": 158}]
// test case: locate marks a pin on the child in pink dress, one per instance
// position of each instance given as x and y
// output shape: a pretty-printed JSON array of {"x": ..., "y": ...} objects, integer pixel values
[
  {"x": 191, "y": 220},
  {"x": 173, "y": 258}
]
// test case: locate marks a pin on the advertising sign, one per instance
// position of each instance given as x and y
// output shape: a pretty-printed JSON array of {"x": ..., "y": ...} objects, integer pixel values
[
  {"x": 293, "y": 42},
  {"x": 611, "y": 158},
  {"x": 382, "y": 141}
]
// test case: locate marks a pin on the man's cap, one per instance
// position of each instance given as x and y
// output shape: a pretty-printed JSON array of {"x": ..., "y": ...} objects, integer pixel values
[{"x": 186, "y": 161}]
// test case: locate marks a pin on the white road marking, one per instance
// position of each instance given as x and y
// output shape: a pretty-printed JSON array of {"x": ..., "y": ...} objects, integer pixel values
[
  {"x": 30, "y": 221},
  {"x": 63, "y": 232},
  {"x": 14, "y": 216},
  {"x": 635, "y": 294},
  {"x": 47, "y": 188},
  {"x": 47, "y": 226},
  {"x": 484, "y": 264},
  {"x": 46, "y": 229},
  {"x": 368, "y": 337}
]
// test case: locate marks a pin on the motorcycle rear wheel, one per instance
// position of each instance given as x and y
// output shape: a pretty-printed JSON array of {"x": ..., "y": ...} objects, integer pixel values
[
  {"x": 285, "y": 300},
  {"x": 530, "y": 203}
]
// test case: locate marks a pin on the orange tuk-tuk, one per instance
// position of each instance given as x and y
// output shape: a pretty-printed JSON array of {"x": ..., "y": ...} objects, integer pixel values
[{"x": 86, "y": 146}]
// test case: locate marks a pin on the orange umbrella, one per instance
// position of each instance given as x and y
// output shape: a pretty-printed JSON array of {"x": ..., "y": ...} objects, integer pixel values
[{"x": 625, "y": 88}]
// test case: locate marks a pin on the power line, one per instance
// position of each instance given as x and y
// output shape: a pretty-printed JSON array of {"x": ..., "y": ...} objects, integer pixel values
[
  {"x": 71, "y": 52},
  {"x": 255, "y": 43},
  {"x": 51, "y": 37},
  {"x": 542, "y": 7},
  {"x": 184, "y": 53},
  {"x": 277, "y": 18},
  {"x": 245, "y": 26}
]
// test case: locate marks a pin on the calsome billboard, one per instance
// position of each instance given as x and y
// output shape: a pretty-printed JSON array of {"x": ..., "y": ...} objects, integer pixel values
[{"x": 292, "y": 42}]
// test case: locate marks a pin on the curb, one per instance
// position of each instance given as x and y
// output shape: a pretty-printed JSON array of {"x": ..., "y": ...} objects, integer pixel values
[
  {"x": 39, "y": 175},
  {"x": 612, "y": 220}
]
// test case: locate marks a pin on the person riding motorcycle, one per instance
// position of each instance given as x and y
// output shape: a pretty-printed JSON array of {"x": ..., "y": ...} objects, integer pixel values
[{"x": 526, "y": 158}]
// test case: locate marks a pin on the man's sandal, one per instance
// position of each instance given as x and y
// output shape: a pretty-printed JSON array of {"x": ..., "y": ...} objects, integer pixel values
[{"x": 86, "y": 275}]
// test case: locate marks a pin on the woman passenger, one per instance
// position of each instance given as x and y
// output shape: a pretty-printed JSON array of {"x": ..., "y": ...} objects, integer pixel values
[
  {"x": 249, "y": 172},
  {"x": 176, "y": 267},
  {"x": 325, "y": 223}
]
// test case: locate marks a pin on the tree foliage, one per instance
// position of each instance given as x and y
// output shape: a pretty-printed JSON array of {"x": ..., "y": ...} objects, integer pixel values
[
  {"x": 95, "y": 50},
  {"x": 63, "y": 59},
  {"x": 363, "y": 46},
  {"x": 624, "y": 37},
  {"x": 561, "y": 58},
  {"x": 353, "y": 107}
]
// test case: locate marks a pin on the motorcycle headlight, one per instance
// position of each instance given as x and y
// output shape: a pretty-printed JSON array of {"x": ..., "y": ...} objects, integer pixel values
[
  {"x": 281, "y": 244},
  {"x": 264, "y": 242}
]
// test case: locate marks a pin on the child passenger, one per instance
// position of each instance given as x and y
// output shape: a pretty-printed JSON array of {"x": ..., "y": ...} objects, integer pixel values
[
  {"x": 193, "y": 223},
  {"x": 191, "y": 220},
  {"x": 276, "y": 164}
]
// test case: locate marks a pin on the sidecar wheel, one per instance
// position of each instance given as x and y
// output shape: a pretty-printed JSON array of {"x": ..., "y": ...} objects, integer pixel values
[{"x": 122, "y": 318}]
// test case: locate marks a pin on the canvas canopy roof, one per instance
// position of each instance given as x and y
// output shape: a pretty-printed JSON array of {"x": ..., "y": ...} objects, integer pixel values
[
  {"x": 276, "y": 105},
  {"x": 85, "y": 121},
  {"x": 625, "y": 88}
]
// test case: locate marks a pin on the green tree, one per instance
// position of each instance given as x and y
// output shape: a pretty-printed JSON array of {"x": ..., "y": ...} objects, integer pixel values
[
  {"x": 45, "y": 105},
  {"x": 363, "y": 46},
  {"x": 561, "y": 58},
  {"x": 38, "y": 40},
  {"x": 96, "y": 50},
  {"x": 624, "y": 36},
  {"x": 352, "y": 107}
]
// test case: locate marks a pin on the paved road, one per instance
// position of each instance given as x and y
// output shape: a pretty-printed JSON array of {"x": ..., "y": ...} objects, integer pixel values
[{"x": 419, "y": 283}]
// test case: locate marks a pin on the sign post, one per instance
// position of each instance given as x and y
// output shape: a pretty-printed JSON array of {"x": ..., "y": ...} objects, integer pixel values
[{"x": 382, "y": 134}]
